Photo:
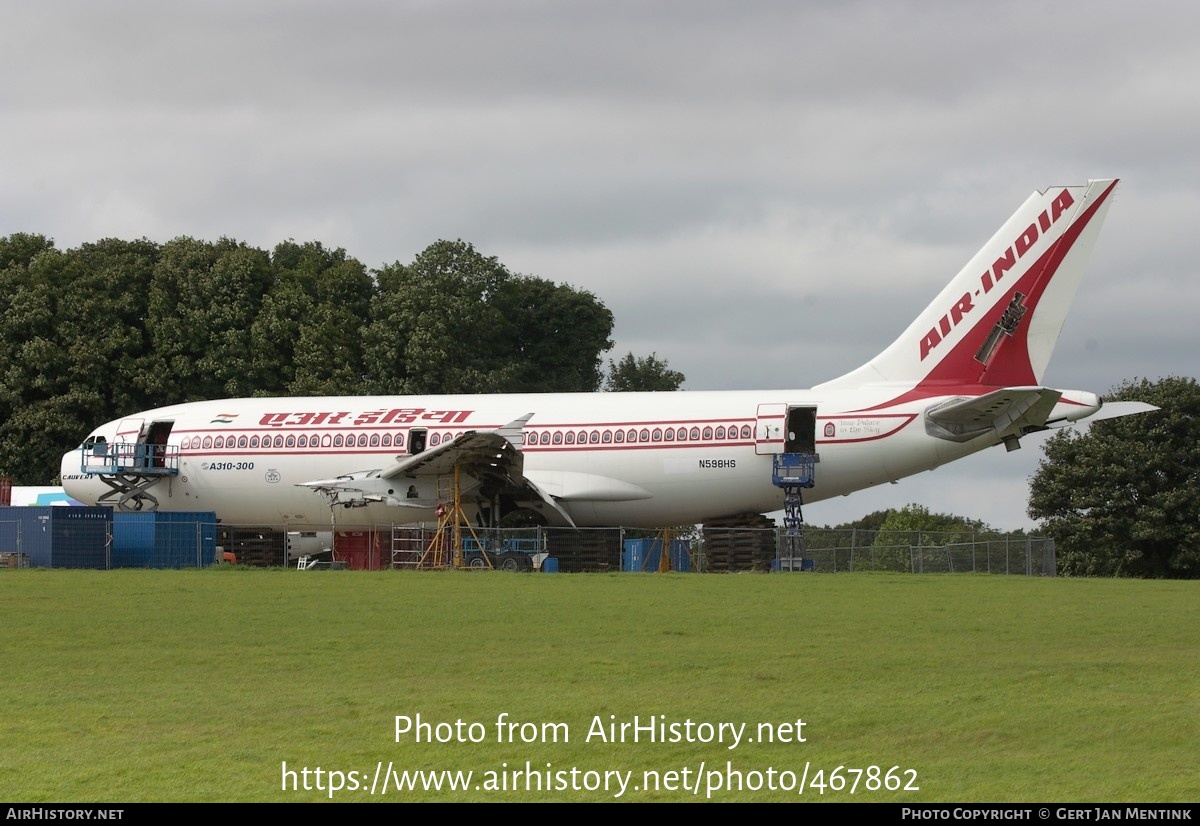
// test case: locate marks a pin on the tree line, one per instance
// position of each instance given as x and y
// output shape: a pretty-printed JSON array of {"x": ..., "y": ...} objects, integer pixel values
[{"x": 111, "y": 327}]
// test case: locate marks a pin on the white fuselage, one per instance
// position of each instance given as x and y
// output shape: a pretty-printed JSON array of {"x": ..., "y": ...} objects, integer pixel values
[{"x": 634, "y": 459}]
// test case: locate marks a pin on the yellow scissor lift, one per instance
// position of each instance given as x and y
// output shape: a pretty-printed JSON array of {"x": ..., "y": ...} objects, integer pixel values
[{"x": 445, "y": 549}]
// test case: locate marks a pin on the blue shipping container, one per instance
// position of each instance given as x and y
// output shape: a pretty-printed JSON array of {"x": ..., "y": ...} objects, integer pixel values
[
  {"x": 57, "y": 537},
  {"x": 164, "y": 540},
  {"x": 643, "y": 555}
]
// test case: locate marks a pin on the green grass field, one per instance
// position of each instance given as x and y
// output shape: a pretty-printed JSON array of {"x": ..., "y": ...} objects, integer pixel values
[{"x": 198, "y": 685}]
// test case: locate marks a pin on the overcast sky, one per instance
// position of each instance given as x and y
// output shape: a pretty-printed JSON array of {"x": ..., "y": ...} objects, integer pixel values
[{"x": 764, "y": 193}]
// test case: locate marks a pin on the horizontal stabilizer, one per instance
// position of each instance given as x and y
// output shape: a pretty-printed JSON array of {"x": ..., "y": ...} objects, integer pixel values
[
  {"x": 1115, "y": 410},
  {"x": 1011, "y": 411}
]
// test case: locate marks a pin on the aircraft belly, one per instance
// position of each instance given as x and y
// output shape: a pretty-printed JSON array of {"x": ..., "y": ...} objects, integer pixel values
[{"x": 684, "y": 485}]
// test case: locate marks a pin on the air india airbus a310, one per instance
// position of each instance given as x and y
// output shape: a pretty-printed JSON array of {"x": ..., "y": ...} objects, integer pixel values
[{"x": 964, "y": 376}]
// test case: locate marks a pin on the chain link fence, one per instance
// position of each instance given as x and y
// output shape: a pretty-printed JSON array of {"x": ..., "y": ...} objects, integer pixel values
[
  {"x": 191, "y": 543},
  {"x": 929, "y": 552}
]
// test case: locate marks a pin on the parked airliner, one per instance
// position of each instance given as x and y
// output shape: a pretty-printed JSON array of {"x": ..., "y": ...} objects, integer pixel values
[{"x": 964, "y": 376}]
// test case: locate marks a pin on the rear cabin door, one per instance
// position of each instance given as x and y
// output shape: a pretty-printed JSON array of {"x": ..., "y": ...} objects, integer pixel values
[
  {"x": 783, "y": 428},
  {"x": 768, "y": 428},
  {"x": 801, "y": 436}
]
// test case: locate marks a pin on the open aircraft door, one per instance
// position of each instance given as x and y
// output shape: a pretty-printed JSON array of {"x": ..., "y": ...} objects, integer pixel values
[
  {"x": 783, "y": 428},
  {"x": 138, "y": 446}
]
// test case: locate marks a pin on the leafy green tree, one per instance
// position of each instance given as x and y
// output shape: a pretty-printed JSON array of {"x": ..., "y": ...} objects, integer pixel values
[
  {"x": 649, "y": 373},
  {"x": 203, "y": 301},
  {"x": 308, "y": 335},
  {"x": 18, "y": 250},
  {"x": 558, "y": 335},
  {"x": 1123, "y": 498},
  {"x": 101, "y": 322},
  {"x": 873, "y": 521},
  {"x": 432, "y": 330},
  {"x": 915, "y": 525},
  {"x": 456, "y": 321},
  {"x": 71, "y": 345}
]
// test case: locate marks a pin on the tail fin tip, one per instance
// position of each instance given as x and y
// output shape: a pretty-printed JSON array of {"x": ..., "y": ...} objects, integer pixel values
[{"x": 997, "y": 321}]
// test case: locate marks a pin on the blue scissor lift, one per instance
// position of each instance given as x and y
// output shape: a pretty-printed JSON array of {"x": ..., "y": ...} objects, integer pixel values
[
  {"x": 793, "y": 472},
  {"x": 130, "y": 470}
]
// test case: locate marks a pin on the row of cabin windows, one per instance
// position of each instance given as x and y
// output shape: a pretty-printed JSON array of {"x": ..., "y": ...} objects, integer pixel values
[
  {"x": 302, "y": 440},
  {"x": 558, "y": 437},
  {"x": 658, "y": 434}
]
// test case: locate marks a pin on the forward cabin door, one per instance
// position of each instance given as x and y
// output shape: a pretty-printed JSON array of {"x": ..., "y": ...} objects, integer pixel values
[
  {"x": 129, "y": 431},
  {"x": 124, "y": 450},
  {"x": 157, "y": 436}
]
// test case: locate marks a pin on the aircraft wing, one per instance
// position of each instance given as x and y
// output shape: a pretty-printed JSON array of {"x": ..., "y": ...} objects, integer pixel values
[
  {"x": 476, "y": 453},
  {"x": 1009, "y": 412},
  {"x": 481, "y": 456},
  {"x": 490, "y": 458}
]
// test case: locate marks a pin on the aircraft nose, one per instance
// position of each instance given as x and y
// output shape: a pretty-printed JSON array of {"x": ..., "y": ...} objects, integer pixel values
[{"x": 68, "y": 465}]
